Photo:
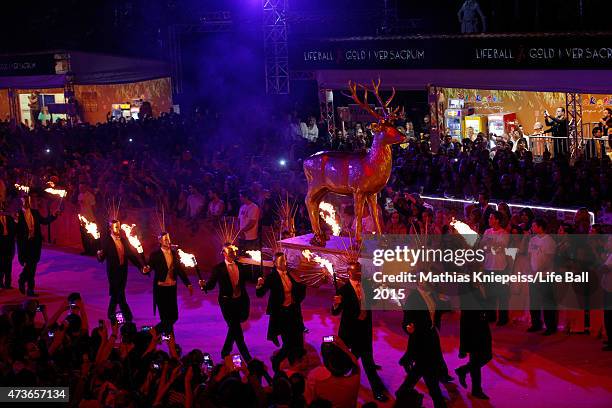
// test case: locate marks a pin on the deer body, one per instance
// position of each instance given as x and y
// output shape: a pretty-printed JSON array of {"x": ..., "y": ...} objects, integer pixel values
[{"x": 361, "y": 175}]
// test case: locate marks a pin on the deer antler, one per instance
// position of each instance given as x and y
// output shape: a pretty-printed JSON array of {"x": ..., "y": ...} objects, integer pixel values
[
  {"x": 364, "y": 105},
  {"x": 388, "y": 113}
]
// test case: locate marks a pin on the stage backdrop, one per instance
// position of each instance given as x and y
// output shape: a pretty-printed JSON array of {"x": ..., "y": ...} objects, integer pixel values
[{"x": 528, "y": 106}]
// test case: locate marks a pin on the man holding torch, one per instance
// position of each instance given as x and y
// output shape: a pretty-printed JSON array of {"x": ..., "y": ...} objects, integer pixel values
[
  {"x": 29, "y": 243},
  {"x": 233, "y": 299},
  {"x": 167, "y": 266},
  {"x": 284, "y": 308},
  {"x": 116, "y": 250},
  {"x": 356, "y": 327}
]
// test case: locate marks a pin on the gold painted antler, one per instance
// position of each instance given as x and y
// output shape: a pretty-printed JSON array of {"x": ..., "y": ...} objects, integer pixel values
[
  {"x": 389, "y": 114},
  {"x": 364, "y": 104}
]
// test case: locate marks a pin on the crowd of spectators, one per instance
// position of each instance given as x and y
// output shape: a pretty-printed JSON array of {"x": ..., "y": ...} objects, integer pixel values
[{"x": 125, "y": 366}]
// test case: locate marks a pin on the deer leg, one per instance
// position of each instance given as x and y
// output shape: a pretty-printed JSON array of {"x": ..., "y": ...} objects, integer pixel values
[
  {"x": 374, "y": 212},
  {"x": 359, "y": 200},
  {"x": 313, "y": 198}
]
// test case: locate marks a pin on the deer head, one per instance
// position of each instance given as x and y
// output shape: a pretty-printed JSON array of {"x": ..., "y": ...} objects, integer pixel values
[{"x": 383, "y": 129}]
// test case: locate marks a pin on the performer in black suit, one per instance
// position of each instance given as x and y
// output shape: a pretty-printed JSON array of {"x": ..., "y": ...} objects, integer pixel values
[
  {"x": 284, "y": 308},
  {"x": 7, "y": 247},
  {"x": 423, "y": 358},
  {"x": 116, "y": 250},
  {"x": 558, "y": 129},
  {"x": 29, "y": 243},
  {"x": 356, "y": 327},
  {"x": 233, "y": 299},
  {"x": 474, "y": 337},
  {"x": 167, "y": 266}
]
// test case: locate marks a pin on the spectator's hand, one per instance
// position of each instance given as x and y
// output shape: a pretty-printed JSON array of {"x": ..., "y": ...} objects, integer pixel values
[
  {"x": 260, "y": 282},
  {"x": 202, "y": 283},
  {"x": 188, "y": 377},
  {"x": 146, "y": 269},
  {"x": 410, "y": 328}
]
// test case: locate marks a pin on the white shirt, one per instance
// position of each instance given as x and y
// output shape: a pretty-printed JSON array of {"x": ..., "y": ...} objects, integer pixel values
[
  {"x": 310, "y": 133},
  {"x": 119, "y": 247},
  {"x": 249, "y": 212},
  {"x": 495, "y": 261},
  {"x": 234, "y": 274},
  {"x": 541, "y": 252},
  {"x": 195, "y": 202},
  {"x": 287, "y": 286},
  {"x": 170, "y": 277}
]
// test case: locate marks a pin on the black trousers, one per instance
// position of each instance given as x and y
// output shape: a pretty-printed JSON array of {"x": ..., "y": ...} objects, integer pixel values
[
  {"x": 167, "y": 305},
  {"x": 6, "y": 270},
  {"x": 431, "y": 379},
  {"x": 561, "y": 147},
  {"x": 292, "y": 334},
  {"x": 234, "y": 332},
  {"x": 498, "y": 298},
  {"x": 117, "y": 297},
  {"x": 474, "y": 367},
  {"x": 27, "y": 275},
  {"x": 542, "y": 302},
  {"x": 369, "y": 366}
]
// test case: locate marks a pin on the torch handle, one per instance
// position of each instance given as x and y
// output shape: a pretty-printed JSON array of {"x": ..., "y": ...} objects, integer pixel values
[{"x": 200, "y": 278}]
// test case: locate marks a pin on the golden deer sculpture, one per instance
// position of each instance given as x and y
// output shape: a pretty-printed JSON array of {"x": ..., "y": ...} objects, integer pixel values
[{"x": 358, "y": 174}]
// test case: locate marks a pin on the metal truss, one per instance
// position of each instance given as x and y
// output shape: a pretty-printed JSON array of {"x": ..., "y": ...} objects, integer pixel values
[
  {"x": 327, "y": 110},
  {"x": 573, "y": 108},
  {"x": 276, "y": 53}
]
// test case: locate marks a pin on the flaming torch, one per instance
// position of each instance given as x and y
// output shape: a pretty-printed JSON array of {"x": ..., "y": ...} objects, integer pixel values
[
  {"x": 132, "y": 238},
  {"x": 90, "y": 227},
  {"x": 57, "y": 192},
  {"x": 255, "y": 255},
  {"x": 468, "y": 233},
  {"x": 23, "y": 188},
  {"x": 328, "y": 213},
  {"x": 327, "y": 268},
  {"x": 189, "y": 261}
]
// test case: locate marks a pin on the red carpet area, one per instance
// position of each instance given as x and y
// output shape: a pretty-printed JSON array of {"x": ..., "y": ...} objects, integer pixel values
[{"x": 527, "y": 369}]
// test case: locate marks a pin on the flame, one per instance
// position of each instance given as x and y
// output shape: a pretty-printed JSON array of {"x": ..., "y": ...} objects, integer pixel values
[
  {"x": 57, "y": 192},
  {"x": 188, "y": 260},
  {"x": 328, "y": 213},
  {"x": 132, "y": 238},
  {"x": 90, "y": 227},
  {"x": 20, "y": 187},
  {"x": 255, "y": 255},
  {"x": 324, "y": 263},
  {"x": 462, "y": 228}
]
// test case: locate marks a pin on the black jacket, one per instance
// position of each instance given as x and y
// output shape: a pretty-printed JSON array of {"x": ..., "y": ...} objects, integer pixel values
[
  {"x": 116, "y": 273},
  {"x": 558, "y": 127},
  {"x": 274, "y": 284},
  {"x": 157, "y": 262},
  {"x": 424, "y": 343},
  {"x": 29, "y": 249},
  {"x": 474, "y": 331},
  {"x": 356, "y": 334},
  {"x": 7, "y": 243},
  {"x": 229, "y": 309}
]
